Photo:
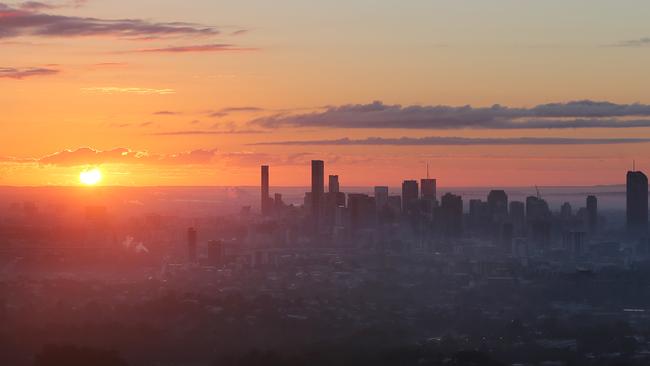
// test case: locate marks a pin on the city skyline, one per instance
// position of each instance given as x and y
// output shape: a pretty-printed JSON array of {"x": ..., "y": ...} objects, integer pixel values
[{"x": 202, "y": 95}]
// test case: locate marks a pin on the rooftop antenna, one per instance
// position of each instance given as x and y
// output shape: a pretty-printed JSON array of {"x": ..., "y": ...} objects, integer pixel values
[
  {"x": 427, "y": 170},
  {"x": 633, "y": 165}
]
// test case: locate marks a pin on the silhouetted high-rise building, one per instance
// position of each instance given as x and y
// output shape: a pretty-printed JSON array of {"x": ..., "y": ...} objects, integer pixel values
[
  {"x": 381, "y": 196},
  {"x": 428, "y": 189},
  {"x": 566, "y": 211},
  {"x": 215, "y": 252},
  {"x": 333, "y": 199},
  {"x": 266, "y": 200},
  {"x": 536, "y": 209},
  {"x": 394, "y": 204},
  {"x": 538, "y": 219},
  {"x": 592, "y": 214},
  {"x": 637, "y": 203},
  {"x": 498, "y": 204},
  {"x": 451, "y": 215},
  {"x": 191, "y": 245},
  {"x": 410, "y": 194},
  {"x": 518, "y": 217},
  {"x": 362, "y": 211},
  {"x": 333, "y": 186},
  {"x": 317, "y": 190},
  {"x": 278, "y": 204},
  {"x": 479, "y": 216}
]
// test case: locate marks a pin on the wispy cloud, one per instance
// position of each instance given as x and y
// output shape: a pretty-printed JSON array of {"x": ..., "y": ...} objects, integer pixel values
[
  {"x": 239, "y": 32},
  {"x": 38, "y": 6},
  {"x": 31, "y": 20},
  {"x": 241, "y": 109},
  {"x": 130, "y": 90},
  {"x": 641, "y": 42},
  {"x": 88, "y": 156},
  {"x": 194, "y": 49},
  {"x": 207, "y": 132},
  {"x": 165, "y": 113},
  {"x": 442, "y": 141},
  {"x": 576, "y": 114},
  {"x": 25, "y": 72}
]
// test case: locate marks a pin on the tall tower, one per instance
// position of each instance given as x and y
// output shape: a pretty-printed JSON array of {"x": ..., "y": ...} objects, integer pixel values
[
  {"x": 592, "y": 213},
  {"x": 317, "y": 190},
  {"x": 265, "y": 204},
  {"x": 428, "y": 189},
  {"x": 637, "y": 203},
  {"x": 410, "y": 194},
  {"x": 498, "y": 203},
  {"x": 381, "y": 196},
  {"x": 191, "y": 245},
  {"x": 333, "y": 186}
]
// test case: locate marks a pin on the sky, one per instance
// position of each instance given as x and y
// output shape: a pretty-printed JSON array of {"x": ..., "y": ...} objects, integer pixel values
[{"x": 488, "y": 93}]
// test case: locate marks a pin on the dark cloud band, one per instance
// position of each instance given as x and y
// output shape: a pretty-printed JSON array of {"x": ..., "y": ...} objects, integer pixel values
[
  {"x": 462, "y": 141},
  {"x": 377, "y": 115}
]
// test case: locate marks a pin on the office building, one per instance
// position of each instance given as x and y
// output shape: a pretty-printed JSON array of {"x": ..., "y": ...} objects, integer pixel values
[
  {"x": 637, "y": 203},
  {"x": 317, "y": 190},
  {"x": 381, "y": 197},
  {"x": 333, "y": 186},
  {"x": 497, "y": 204},
  {"x": 191, "y": 245},
  {"x": 428, "y": 189},
  {"x": 451, "y": 215},
  {"x": 592, "y": 214},
  {"x": 410, "y": 194},
  {"x": 265, "y": 199}
]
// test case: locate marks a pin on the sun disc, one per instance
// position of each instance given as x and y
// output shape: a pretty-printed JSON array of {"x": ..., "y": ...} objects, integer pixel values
[{"x": 90, "y": 177}]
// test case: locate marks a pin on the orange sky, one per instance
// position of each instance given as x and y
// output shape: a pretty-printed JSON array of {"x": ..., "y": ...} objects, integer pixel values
[{"x": 155, "y": 102}]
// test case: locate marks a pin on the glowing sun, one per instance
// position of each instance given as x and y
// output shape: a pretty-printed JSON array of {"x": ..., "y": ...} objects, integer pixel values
[{"x": 90, "y": 177}]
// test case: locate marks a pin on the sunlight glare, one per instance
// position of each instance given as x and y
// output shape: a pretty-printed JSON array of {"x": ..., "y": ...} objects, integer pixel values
[{"x": 90, "y": 177}]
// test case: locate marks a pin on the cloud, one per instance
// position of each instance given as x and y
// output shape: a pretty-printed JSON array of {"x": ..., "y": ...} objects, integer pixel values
[
  {"x": 38, "y": 6},
  {"x": 239, "y": 32},
  {"x": 131, "y": 90},
  {"x": 165, "y": 113},
  {"x": 194, "y": 48},
  {"x": 240, "y": 109},
  {"x": 250, "y": 158},
  {"x": 16, "y": 160},
  {"x": 576, "y": 114},
  {"x": 21, "y": 73},
  {"x": 641, "y": 42},
  {"x": 441, "y": 141},
  {"x": 29, "y": 20},
  {"x": 223, "y": 112},
  {"x": 205, "y": 132},
  {"x": 88, "y": 156},
  {"x": 35, "y": 5}
]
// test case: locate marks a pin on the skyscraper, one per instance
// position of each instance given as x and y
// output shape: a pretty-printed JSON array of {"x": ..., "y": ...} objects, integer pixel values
[
  {"x": 191, "y": 245},
  {"x": 518, "y": 217},
  {"x": 215, "y": 252},
  {"x": 428, "y": 188},
  {"x": 410, "y": 194},
  {"x": 333, "y": 199},
  {"x": 637, "y": 202},
  {"x": 381, "y": 196},
  {"x": 317, "y": 190},
  {"x": 451, "y": 215},
  {"x": 333, "y": 186},
  {"x": 592, "y": 213},
  {"x": 497, "y": 204},
  {"x": 265, "y": 204},
  {"x": 566, "y": 211}
]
